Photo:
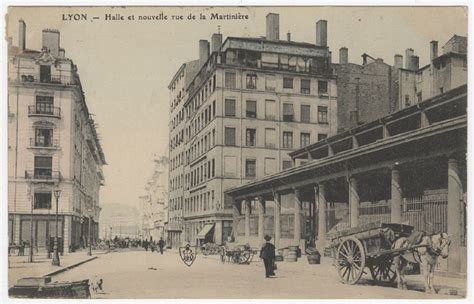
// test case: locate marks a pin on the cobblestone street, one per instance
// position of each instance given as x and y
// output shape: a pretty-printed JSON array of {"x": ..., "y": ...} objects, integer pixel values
[{"x": 140, "y": 274}]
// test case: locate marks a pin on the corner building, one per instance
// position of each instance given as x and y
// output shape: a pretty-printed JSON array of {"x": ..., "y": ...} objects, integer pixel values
[
  {"x": 252, "y": 101},
  {"x": 52, "y": 144}
]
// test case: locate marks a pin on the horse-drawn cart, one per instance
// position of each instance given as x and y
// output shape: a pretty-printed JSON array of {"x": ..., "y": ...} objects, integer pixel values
[
  {"x": 238, "y": 254},
  {"x": 368, "y": 246}
]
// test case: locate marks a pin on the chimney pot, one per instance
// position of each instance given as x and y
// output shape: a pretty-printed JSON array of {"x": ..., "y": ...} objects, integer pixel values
[
  {"x": 203, "y": 51},
  {"x": 51, "y": 41},
  {"x": 273, "y": 27},
  {"x": 398, "y": 61},
  {"x": 415, "y": 63},
  {"x": 433, "y": 49},
  {"x": 22, "y": 35},
  {"x": 408, "y": 54},
  {"x": 322, "y": 33},
  {"x": 343, "y": 55},
  {"x": 288, "y": 36},
  {"x": 216, "y": 42}
]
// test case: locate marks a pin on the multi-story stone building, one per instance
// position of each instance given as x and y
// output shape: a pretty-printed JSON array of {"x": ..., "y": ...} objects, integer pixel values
[
  {"x": 252, "y": 101},
  {"x": 52, "y": 145},
  {"x": 443, "y": 73},
  {"x": 153, "y": 204}
]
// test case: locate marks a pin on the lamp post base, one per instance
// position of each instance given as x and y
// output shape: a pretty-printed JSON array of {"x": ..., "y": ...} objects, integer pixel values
[{"x": 55, "y": 261}]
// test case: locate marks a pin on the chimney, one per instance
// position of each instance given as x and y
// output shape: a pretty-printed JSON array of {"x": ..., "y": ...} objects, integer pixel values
[
  {"x": 216, "y": 42},
  {"x": 415, "y": 63},
  {"x": 433, "y": 49},
  {"x": 408, "y": 54},
  {"x": 273, "y": 27},
  {"x": 203, "y": 52},
  {"x": 343, "y": 55},
  {"x": 62, "y": 53},
  {"x": 288, "y": 36},
  {"x": 398, "y": 61},
  {"x": 51, "y": 41},
  {"x": 322, "y": 33},
  {"x": 22, "y": 35}
]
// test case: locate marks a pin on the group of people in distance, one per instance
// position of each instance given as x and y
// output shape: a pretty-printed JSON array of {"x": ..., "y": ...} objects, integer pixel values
[{"x": 154, "y": 246}]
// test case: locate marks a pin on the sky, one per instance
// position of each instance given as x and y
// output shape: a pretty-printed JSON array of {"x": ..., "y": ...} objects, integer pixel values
[{"x": 126, "y": 66}]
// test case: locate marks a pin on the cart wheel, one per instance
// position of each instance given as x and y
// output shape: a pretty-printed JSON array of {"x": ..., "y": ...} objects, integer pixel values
[
  {"x": 245, "y": 257},
  {"x": 382, "y": 270},
  {"x": 350, "y": 260}
]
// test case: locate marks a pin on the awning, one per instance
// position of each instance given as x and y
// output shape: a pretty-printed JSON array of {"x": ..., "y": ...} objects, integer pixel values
[{"x": 204, "y": 231}]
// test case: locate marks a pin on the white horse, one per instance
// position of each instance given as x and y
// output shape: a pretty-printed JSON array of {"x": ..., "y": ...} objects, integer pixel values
[{"x": 427, "y": 256}]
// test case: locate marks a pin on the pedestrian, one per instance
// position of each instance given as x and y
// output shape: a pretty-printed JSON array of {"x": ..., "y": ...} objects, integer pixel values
[
  {"x": 268, "y": 255},
  {"x": 145, "y": 244},
  {"x": 161, "y": 244}
]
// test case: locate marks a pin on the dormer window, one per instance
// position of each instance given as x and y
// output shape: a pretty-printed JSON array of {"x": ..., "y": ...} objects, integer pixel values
[{"x": 45, "y": 73}]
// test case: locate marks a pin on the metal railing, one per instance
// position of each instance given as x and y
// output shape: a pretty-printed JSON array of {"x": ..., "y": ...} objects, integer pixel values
[
  {"x": 53, "y": 79},
  {"x": 43, "y": 175},
  {"x": 37, "y": 110},
  {"x": 53, "y": 143}
]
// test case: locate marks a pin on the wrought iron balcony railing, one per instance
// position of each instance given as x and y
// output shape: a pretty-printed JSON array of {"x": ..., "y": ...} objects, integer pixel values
[
  {"x": 53, "y": 79},
  {"x": 36, "y": 143},
  {"x": 50, "y": 111},
  {"x": 43, "y": 175}
]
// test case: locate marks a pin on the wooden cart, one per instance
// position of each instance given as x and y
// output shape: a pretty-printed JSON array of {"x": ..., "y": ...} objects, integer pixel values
[
  {"x": 238, "y": 254},
  {"x": 367, "y": 246}
]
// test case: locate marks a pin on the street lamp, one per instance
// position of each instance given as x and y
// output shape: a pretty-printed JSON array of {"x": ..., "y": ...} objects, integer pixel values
[
  {"x": 90, "y": 219},
  {"x": 55, "y": 261},
  {"x": 48, "y": 255}
]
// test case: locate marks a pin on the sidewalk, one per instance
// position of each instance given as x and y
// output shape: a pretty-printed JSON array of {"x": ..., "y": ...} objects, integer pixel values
[{"x": 20, "y": 268}]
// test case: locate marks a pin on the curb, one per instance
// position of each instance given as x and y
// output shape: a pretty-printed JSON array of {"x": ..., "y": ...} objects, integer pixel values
[{"x": 69, "y": 267}]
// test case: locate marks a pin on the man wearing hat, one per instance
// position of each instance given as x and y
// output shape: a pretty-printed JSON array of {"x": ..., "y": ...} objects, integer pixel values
[{"x": 268, "y": 255}]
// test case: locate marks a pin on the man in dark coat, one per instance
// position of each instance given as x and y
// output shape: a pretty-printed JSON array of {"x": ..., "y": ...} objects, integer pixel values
[
  {"x": 161, "y": 244},
  {"x": 268, "y": 255}
]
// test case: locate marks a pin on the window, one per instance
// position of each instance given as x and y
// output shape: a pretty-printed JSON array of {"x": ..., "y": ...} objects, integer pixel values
[
  {"x": 230, "y": 107},
  {"x": 407, "y": 100},
  {"x": 419, "y": 96},
  {"x": 270, "y": 82},
  {"x": 270, "y": 166},
  {"x": 441, "y": 90},
  {"x": 43, "y": 200},
  {"x": 229, "y": 136},
  {"x": 322, "y": 136},
  {"x": 287, "y": 83},
  {"x": 44, "y": 104},
  {"x": 43, "y": 167},
  {"x": 251, "y": 137},
  {"x": 230, "y": 166},
  {"x": 44, "y": 137},
  {"x": 322, "y": 87},
  {"x": 230, "y": 80},
  {"x": 287, "y": 164},
  {"x": 45, "y": 73},
  {"x": 305, "y": 139},
  {"x": 270, "y": 109},
  {"x": 250, "y": 166},
  {"x": 251, "y": 109},
  {"x": 288, "y": 114},
  {"x": 305, "y": 113},
  {"x": 323, "y": 115},
  {"x": 305, "y": 86},
  {"x": 270, "y": 138},
  {"x": 251, "y": 81},
  {"x": 288, "y": 140}
]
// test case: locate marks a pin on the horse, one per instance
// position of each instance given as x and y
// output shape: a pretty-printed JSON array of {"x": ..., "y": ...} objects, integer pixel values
[{"x": 427, "y": 256}]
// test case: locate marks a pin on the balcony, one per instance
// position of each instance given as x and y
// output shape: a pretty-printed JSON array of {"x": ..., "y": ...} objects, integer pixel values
[
  {"x": 42, "y": 111},
  {"x": 51, "y": 144},
  {"x": 52, "y": 79},
  {"x": 43, "y": 175}
]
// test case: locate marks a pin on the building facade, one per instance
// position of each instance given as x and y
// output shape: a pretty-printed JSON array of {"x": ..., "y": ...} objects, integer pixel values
[
  {"x": 252, "y": 101},
  {"x": 52, "y": 145},
  {"x": 154, "y": 202},
  {"x": 365, "y": 91},
  {"x": 444, "y": 72}
]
